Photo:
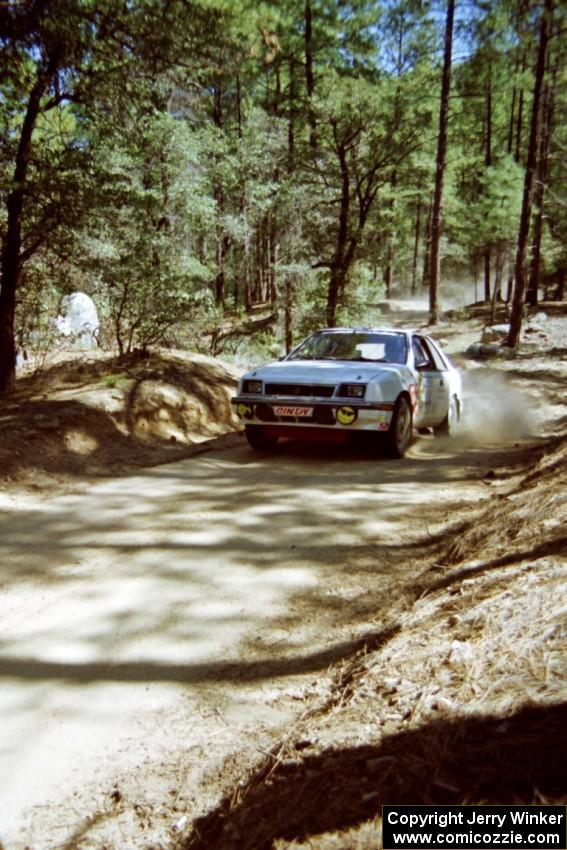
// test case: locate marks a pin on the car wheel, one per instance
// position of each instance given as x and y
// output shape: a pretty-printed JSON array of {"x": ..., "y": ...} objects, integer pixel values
[
  {"x": 258, "y": 439},
  {"x": 449, "y": 425},
  {"x": 399, "y": 435}
]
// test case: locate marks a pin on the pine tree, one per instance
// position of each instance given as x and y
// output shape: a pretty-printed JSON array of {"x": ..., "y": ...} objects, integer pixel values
[{"x": 436, "y": 221}]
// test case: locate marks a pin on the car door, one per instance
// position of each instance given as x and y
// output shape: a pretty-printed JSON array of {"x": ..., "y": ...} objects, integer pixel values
[{"x": 434, "y": 385}]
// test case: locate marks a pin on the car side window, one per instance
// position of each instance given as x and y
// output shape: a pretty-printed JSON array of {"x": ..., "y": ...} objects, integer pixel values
[
  {"x": 435, "y": 355},
  {"x": 421, "y": 356}
]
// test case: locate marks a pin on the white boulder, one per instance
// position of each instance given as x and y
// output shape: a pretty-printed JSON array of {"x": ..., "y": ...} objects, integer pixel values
[
  {"x": 78, "y": 320},
  {"x": 495, "y": 333}
]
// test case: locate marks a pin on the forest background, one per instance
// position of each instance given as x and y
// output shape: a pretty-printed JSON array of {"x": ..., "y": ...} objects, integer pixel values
[{"x": 186, "y": 162}]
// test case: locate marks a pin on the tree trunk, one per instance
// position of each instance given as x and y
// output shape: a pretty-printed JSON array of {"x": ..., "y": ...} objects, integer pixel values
[
  {"x": 337, "y": 276},
  {"x": 217, "y": 105},
  {"x": 291, "y": 119},
  {"x": 511, "y": 123},
  {"x": 416, "y": 246},
  {"x": 497, "y": 290},
  {"x": 246, "y": 293},
  {"x": 510, "y": 276},
  {"x": 238, "y": 107},
  {"x": 520, "y": 118},
  {"x": 265, "y": 262},
  {"x": 309, "y": 76},
  {"x": 223, "y": 243},
  {"x": 435, "y": 264},
  {"x": 288, "y": 324},
  {"x": 539, "y": 194},
  {"x": 11, "y": 252},
  {"x": 389, "y": 272},
  {"x": 486, "y": 266},
  {"x": 520, "y": 264},
  {"x": 335, "y": 285},
  {"x": 277, "y": 91},
  {"x": 475, "y": 276},
  {"x": 221, "y": 246},
  {"x": 258, "y": 279},
  {"x": 488, "y": 163},
  {"x": 427, "y": 246},
  {"x": 273, "y": 260},
  {"x": 488, "y": 148}
]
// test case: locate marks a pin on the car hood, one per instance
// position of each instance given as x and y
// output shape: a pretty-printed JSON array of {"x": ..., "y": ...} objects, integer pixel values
[{"x": 322, "y": 371}]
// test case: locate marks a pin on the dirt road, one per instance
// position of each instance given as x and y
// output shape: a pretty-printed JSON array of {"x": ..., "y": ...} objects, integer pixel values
[
  {"x": 160, "y": 631},
  {"x": 154, "y": 625}
]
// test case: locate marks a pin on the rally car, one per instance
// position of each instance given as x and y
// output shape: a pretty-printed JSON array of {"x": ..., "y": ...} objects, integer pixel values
[{"x": 375, "y": 385}]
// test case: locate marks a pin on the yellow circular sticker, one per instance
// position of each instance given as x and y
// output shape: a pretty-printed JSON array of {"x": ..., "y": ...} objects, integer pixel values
[
  {"x": 346, "y": 415},
  {"x": 244, "y": 411}
]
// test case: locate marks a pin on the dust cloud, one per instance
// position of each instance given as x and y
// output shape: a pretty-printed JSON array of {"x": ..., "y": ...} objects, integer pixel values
[
  {"x": 494, "y": 410},
  {"x": 452, "y": 295}
]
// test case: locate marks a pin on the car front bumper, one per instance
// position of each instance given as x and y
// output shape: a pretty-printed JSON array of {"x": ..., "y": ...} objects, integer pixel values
[{"x": 343, "y": 415}]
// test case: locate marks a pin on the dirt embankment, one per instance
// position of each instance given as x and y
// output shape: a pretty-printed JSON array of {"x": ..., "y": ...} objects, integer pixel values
[{"x": 96, "y": 415}]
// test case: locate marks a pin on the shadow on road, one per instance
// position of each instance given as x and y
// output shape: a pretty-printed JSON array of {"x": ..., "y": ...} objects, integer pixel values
[
  {"x": 153, "y": 565},
  {"x": 518, "y": 759}
]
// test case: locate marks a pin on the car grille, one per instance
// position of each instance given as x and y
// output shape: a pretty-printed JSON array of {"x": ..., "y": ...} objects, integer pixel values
[
  {"x": 300, "y": 390},
  {"x": 265, "y": 413},
  {"x": 324, "y": 415}
]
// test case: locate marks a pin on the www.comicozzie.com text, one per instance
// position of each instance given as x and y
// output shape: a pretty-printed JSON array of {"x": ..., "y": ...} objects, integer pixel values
[
  {"x": 482, "y": 839},
  {"x": 463, "y": 827}
]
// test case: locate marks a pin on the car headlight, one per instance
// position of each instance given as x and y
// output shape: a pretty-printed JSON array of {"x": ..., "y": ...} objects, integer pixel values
[
  {"x": 252, "y": 387},
  {"x": 352, "y": 390}
]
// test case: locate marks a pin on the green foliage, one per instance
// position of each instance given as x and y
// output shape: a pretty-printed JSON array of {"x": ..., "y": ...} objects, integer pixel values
[
  {"x": 193, "y": 159},
  {"x": 309, "y": 305},
  {"x": 37, "y": 305},
  {"x": 249, "y": 351},
  {"x": 153, "y": 199},
  {"x": 117, "y": 379},
  {"x": 361, "y": 303},
  {"x": 498, "y": 208}
]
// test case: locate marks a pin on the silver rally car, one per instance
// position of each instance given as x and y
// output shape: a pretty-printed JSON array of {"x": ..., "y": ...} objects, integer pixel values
[{"x": 375, "y": 385}]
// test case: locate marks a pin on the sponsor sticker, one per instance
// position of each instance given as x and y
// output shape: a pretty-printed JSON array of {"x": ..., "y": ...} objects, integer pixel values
[
  {"x": 288, "y": 410},
  {"x": 244, "y": 411},
  {"x": 346, "y": 415}
]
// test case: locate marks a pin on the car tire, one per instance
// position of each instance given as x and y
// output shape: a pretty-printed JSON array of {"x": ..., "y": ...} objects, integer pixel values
[
  {"x": 448, "y": 427},
  {"x": 258, "y": 439},
  {"x": 398, "y": 437}
]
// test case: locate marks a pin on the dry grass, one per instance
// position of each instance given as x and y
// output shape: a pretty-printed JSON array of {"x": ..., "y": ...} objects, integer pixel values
[
  {"x": 465, "y": 702},
  {"x": 528, "y": 519}
]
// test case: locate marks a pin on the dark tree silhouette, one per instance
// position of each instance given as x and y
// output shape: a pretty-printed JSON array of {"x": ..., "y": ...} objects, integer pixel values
[
  {"x": 521, "y": 271},
  {"x": 436, "y": 223}
]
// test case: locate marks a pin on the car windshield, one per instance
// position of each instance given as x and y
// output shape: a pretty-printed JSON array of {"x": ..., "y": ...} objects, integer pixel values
[{"x": 382, "y": 347}]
